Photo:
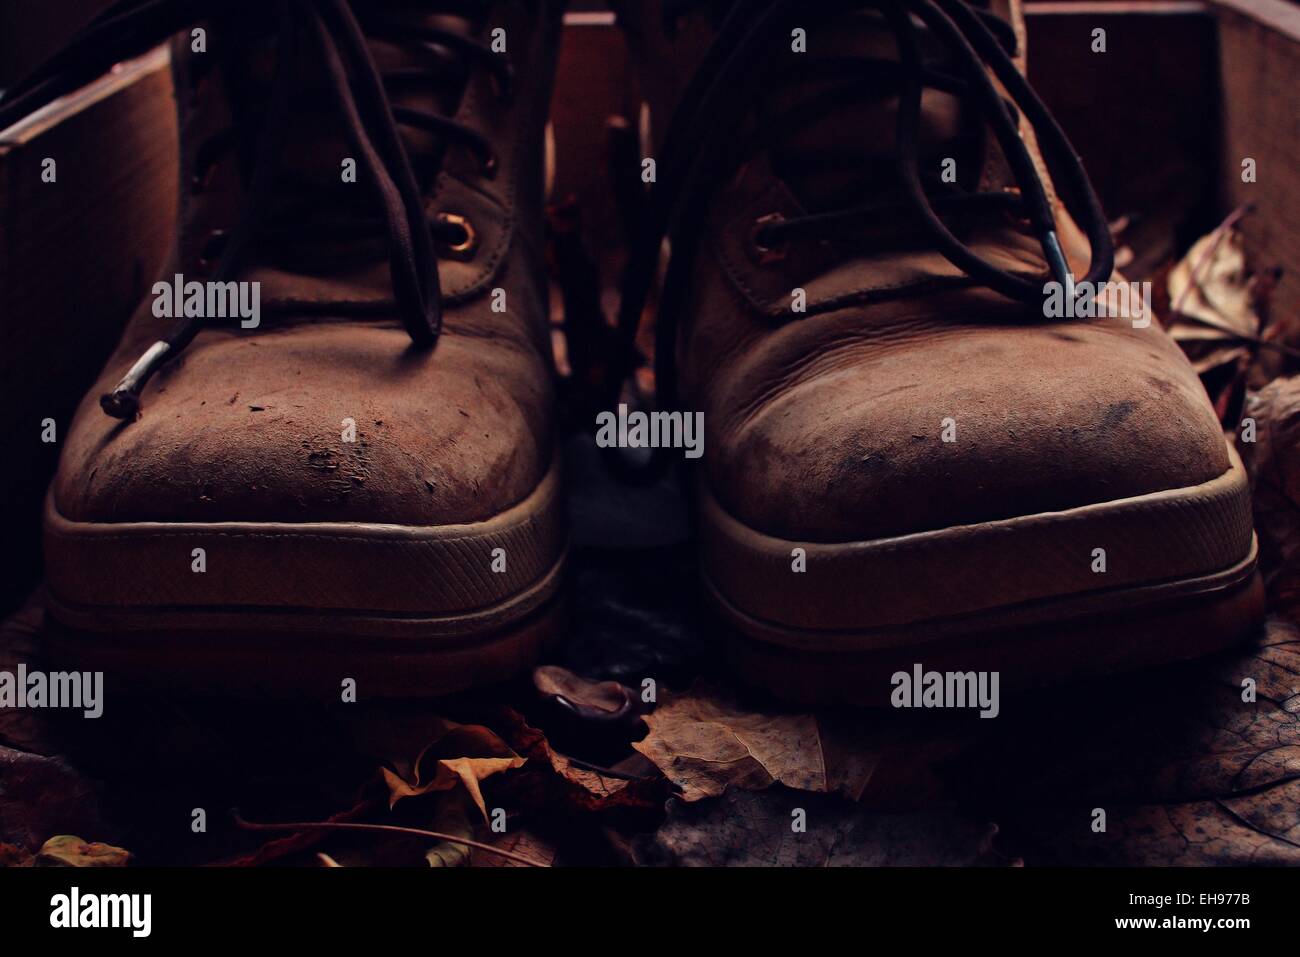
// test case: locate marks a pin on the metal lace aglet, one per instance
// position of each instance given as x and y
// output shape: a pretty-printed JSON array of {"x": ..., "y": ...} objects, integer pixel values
[
  {"x": 1056, "y": 261},
  {"x": 124, "y": 401}
]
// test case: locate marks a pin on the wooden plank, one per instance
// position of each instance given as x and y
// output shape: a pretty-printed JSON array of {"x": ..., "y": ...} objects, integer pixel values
[
  {"x": 1278, "y": 16},
  {"x": 1166, "y": 8},
  {"x": 593, "y": 83},
  {"x": 1259, "y": 70},
  {"x": 76, "y": 257}
]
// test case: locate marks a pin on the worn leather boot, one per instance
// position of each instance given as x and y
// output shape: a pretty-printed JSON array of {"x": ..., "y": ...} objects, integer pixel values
[
  {"x": 352, "y": 474},
  {"x": 924, "y": 444}
]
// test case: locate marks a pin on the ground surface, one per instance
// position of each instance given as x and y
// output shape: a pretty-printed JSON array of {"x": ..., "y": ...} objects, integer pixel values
[{"x": 584, "y": 772}]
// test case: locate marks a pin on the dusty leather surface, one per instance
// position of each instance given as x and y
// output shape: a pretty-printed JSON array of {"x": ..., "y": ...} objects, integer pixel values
[
  {"x": 827, "y": 426},
  {"x": 247, "y": 424}
]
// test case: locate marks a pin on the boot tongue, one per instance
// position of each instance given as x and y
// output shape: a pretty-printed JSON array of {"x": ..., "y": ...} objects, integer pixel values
[
  {"x": 315, "y": 141},
  {"x": 831, "y": 125}
]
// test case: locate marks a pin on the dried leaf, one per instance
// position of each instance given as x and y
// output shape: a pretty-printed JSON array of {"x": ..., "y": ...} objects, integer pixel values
[
  {"x": 64, "y": 850},
  {"x": 599, "y": 787},
  {"x": 465, "y": 755},
  {"x": 1210, "y": 292},
  {"x": 704, "y": 744},
  {"x": 520, "y": 842},
  {"x": 1213, "y": 314},
  {"x": 555, "y": 781},
  {"x": 11, "y": 856}
]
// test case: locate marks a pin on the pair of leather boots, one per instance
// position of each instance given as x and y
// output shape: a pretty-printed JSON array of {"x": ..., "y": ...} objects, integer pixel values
[{"x": 907, "y": 458}]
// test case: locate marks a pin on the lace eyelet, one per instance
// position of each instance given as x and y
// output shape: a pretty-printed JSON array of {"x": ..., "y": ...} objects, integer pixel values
[
  {"x": 464, "y": 248},
  {"x": 490, "y": 166},
  {"x": 763, "y": 254}
]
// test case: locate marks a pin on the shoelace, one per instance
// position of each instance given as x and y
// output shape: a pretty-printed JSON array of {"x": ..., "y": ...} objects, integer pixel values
[
  {"x": 694, "y": 157},
  {"x": 330, "y": 30}
]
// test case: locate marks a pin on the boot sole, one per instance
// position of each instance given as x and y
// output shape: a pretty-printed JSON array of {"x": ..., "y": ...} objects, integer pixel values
[
  {"x": 294, "y": 608},
  {"x": 1017, "y": 596}
]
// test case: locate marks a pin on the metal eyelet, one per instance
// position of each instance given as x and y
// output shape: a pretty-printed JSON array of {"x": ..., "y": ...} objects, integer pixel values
[
  {"x": 763, "y": 254},
  {"x": 464, "y": 248}
]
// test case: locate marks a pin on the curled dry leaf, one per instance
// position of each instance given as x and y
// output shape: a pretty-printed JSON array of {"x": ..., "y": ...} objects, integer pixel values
[
  {"x": 1212, "y": 302},
  {"x": 465, "y": 756},
  {"x": 64, "y": 850}
]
